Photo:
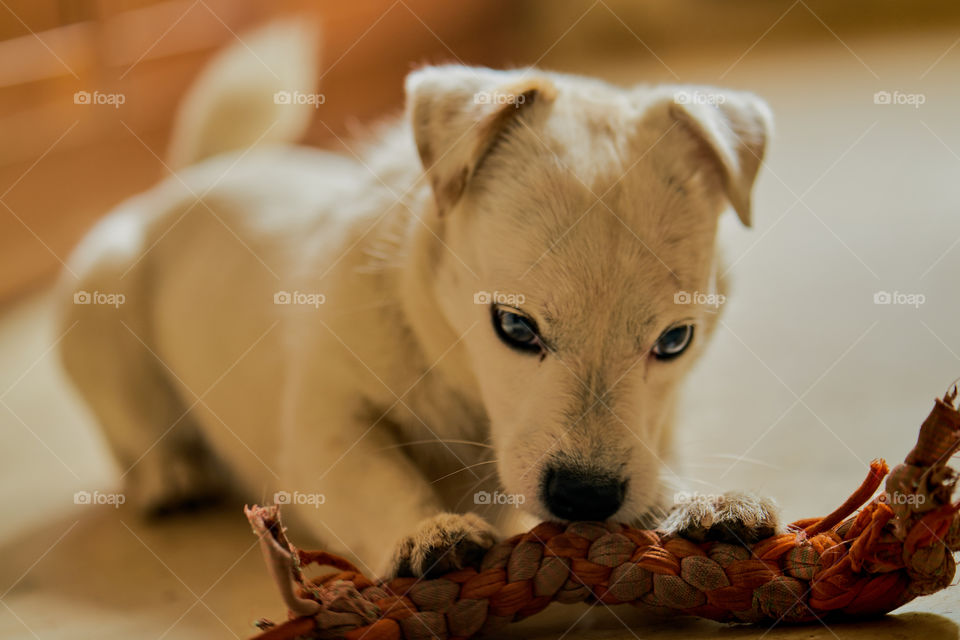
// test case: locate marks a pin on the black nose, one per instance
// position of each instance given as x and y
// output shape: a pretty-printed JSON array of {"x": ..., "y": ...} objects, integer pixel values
[{"x": 573, "y": 494}]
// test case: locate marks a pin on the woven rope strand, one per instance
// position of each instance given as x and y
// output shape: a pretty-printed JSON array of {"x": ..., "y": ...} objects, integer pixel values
[{"x": 897, "y": 547}]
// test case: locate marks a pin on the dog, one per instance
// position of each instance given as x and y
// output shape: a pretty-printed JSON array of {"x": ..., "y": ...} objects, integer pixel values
[{"x": 490, "y": 288}]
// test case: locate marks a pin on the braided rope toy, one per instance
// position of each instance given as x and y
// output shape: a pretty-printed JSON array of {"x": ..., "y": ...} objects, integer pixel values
[{"x": 899, "y": 546}]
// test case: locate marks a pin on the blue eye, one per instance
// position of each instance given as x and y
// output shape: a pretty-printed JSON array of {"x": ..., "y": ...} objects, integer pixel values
[
  {"x": 516, "y": 331},
  {"x": 673, "y": 342}
]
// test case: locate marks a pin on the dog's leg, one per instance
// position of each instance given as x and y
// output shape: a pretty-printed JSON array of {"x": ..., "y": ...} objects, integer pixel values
[
  {"x": 164, "y": 461},
  {"x": 378, "y": 506},
  {"x": 734, "y": 517}
]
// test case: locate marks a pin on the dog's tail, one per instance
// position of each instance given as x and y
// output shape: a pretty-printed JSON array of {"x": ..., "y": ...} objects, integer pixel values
[{"x": 262, "y": 88}]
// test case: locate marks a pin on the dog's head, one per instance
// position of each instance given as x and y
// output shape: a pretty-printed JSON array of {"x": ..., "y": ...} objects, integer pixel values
[{"x": 578, "y": 264}]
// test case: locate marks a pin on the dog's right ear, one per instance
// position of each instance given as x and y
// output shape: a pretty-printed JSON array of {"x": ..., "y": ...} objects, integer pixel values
[{"x": 457, "y": 114}]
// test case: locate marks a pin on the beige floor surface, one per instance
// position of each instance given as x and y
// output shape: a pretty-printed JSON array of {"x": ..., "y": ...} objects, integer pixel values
[{"x": 808, "y": 378}]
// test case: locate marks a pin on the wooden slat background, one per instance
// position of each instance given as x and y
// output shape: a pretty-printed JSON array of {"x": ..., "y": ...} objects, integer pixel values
[{"x": 62, "y": 166}]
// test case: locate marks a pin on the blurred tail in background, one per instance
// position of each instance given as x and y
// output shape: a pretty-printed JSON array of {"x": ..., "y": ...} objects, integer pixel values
[{"x": 262, "y": 89}]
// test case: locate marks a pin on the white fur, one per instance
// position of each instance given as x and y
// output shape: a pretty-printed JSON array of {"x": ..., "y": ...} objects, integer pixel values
[{"x": 329, "y": 399}]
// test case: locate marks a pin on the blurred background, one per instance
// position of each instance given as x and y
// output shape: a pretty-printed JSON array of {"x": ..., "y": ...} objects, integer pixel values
[
  {"x": 841, "y": 328},
  {"x": 62, "y": 165}
]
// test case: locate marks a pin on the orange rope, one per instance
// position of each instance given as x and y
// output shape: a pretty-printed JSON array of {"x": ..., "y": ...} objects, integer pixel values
[
  {"x": 846, "y": 564},
  {"x": 878, "y": 469}
]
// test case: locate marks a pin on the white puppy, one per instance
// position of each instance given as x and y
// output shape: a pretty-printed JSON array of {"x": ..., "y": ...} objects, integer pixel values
[{"x": 493, "y": 279}]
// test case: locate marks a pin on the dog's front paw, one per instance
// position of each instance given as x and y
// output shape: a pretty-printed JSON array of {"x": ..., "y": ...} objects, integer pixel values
[
  {"x": 734, "y": 517},
  {"x": 445, "y": 542}
]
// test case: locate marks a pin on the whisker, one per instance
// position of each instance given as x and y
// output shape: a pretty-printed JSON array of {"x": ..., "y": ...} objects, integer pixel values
[
  {"x": 440, "y": 441},
  {"x": 718, "y": 464},
  {"x": 469, "y": 491},
  {"x": 723, "y": 458},
  {"x": 733, "y": 456},
  {"x": 464, "y": 468},
  {"x": 680, "y": 484}
]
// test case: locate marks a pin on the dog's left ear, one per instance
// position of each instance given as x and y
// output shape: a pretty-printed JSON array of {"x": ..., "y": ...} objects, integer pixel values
[
  {"x": 458, "y": 113},
  {"x": 734, "y": 126}
]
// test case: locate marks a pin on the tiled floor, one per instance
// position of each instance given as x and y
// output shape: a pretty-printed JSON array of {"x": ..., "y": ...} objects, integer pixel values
[{"x": 808, "y": 378}]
